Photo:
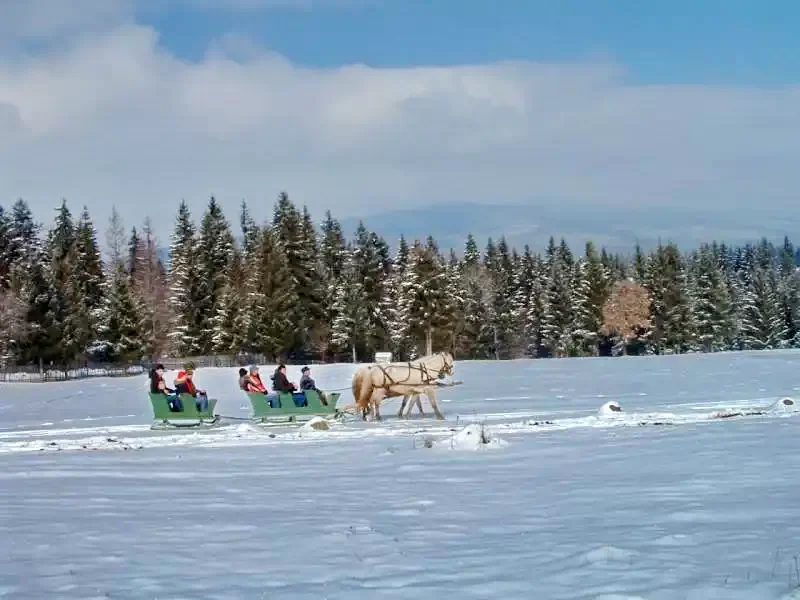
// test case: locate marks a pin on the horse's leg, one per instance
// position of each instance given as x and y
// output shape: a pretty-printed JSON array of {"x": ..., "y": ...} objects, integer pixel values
[
  {"x": 365, "y": 395},
  {"x": 402, "y": 406},
  {"x": 434, "y": 404},
  {"x": 375, "y": 403},
  {"x": 418, "y": 402}
]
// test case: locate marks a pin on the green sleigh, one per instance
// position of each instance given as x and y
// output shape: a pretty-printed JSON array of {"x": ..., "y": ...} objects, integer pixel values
[
  {"x": 266, "y": 408},
  {"x": 188, "y": 416},
  {"x": 290, "y": 407}
]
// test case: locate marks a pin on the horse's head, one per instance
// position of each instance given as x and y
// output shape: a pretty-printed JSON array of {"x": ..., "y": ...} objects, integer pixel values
[{"x": 448, "y": 365}]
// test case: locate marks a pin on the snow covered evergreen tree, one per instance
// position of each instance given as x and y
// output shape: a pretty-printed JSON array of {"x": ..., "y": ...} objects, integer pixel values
[
  {"x": 185, "y": 290},
  {"x": 251, "y": 233},
  {"x": 331, "y": 260},
  {"x": 348, "y": 330},
  {"x": 370, "y": 256},
  {"x": 231, "y": 322},
  {"x": 397, "y": 323},
  {"x": 297, "y": 237},
  {"x": 763, "y": 325},
  {"x": 475, "y": 340},
  {"x": 120, "y": 332},
  {"x": 215, "y": 252},
  {"x": 270, "y": 297},
  {"x": 666, "y": 282},
  {"x": 86, "y": 286},
  {"x": 712, "y": 316},
  {"x": 5, "y": 250},
  {"x": 557, "y": 320},
  {"x": 422, "y": 296}
]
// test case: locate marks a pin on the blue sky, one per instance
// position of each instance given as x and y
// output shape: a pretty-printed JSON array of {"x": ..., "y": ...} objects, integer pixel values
[
  {"x": 368, "y": 106},
  {"x": 677, "y": 41}
]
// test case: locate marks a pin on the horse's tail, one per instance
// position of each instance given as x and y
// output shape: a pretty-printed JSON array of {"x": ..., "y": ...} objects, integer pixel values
[
  {"x": 360, "y": 386},
  {"x": 363, "y": 394},
  {"x": 356, "y": 385}
]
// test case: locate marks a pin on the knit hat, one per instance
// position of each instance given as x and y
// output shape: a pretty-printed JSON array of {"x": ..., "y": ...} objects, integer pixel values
[{"x": 304, "y": 369}]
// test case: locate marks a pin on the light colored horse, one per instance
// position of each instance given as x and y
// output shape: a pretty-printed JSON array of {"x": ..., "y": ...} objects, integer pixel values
[{"x": 374, "y": 383}]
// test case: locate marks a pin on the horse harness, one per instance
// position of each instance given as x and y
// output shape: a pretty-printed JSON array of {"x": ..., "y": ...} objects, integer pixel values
[{"x": 428, "y": 378}]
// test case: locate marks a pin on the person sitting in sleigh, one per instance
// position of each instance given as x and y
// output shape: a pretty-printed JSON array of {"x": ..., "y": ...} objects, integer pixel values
[
  {"x": 184, "y": 384},
  {"x": 159, "y": 386}
]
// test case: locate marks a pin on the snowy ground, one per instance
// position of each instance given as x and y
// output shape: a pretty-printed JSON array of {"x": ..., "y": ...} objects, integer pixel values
[{"x": 663, "y": 500}]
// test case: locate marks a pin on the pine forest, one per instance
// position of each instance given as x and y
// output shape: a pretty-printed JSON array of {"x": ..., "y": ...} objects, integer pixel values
[{"x": 293, "y": 290}]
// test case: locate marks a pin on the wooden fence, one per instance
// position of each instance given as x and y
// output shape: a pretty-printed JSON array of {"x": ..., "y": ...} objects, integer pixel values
[{"x": 36, "y": 374}]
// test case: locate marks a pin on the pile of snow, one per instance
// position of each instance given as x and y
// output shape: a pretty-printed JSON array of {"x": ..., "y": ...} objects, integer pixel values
[
  {"x": 472, "y": 437},
  {"x": 317, "y": 424},
  {"x": 784, "y": 405},
  {"x": 610, "y": 409}
]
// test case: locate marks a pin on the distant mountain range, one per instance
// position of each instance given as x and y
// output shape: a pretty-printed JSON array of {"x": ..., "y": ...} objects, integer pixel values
[{"x": 617, "y": 230}]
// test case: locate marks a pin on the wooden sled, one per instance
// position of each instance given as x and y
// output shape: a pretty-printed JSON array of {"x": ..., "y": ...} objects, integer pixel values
[
  {"x": 286, "y": 407},
  {"x": 190, "y": 416}
]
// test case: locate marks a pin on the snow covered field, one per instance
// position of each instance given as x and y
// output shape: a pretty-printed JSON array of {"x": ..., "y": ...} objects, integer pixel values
[{"x": 663, "y": 500}]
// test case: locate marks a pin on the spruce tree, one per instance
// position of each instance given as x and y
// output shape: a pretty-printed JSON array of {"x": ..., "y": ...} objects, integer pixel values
[
  {"x": 214, "y": 255},
  {"x": 42, "y": 332},
  {"x": 369, "y": 256},
  {"x": 763, "y": 326},
  {"x": 349, "y": 310},
  {"x": 297, "y": 237},
  {"x": 5, "y": 250},
  {"x": 251, "y": 233},
  {"x": 86, "y": 287},
  {"x": 712, "y": 317},
  {"x": 666, "y": 282},
  {"x": 23, "y": 235},
  {"x": 270, "y": 297},
  {"x": 231, "y": 321},
  {"x": 397, "y": 323},
  {"x": 134, "y": 251},
  {"x": 475, "y": 340},
  {"x": 557, "y": 320},
  {"x": 423, "y": 295},
  {"x": 120, "y": 331},
  {"x": 185, "y": 288}
]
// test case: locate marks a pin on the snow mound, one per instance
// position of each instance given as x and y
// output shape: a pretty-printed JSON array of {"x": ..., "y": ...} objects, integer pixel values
[
  {"x": 610, "y": 409},
  {"x": 784, "y": 405},
  {"x": 609, "y": 554},
  {"x": 317, "y": 424},
  {"x": 473, "y": 437}
]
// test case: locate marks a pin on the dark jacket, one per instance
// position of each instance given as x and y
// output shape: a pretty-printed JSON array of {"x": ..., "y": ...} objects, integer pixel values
[
  {"x": 155, "y": 380},
  {"x": 307, "y": 383},
  {"x": 280, "y": 383}
]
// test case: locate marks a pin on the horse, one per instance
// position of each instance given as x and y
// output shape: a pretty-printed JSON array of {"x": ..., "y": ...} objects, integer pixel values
[{"x": 374, "y": 383}]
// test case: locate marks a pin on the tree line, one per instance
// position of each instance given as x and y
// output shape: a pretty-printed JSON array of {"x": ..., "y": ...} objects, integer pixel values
[{"x": 290, "y": 290}]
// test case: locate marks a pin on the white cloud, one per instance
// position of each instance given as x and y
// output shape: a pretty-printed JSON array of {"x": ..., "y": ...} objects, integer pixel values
[
  {"x": 46, "y": 19},
  {"x": 117, "y": 118}
]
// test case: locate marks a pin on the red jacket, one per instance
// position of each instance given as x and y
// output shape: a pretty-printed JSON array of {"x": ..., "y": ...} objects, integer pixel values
[
  {"x": 181, "y": 378},
  {"x": 254, "y": 384}
]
